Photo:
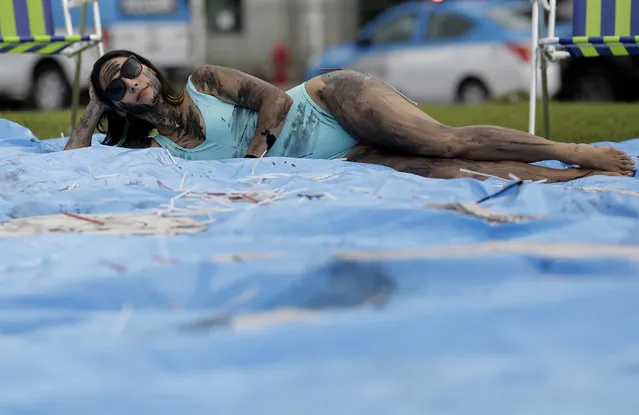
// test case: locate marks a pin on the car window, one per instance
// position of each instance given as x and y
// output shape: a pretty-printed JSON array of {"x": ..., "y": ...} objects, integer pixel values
[
  {"x": 518, "y": 17},
  {"x": 447, "y": 25},
  {"x": 401, "y": 29}
]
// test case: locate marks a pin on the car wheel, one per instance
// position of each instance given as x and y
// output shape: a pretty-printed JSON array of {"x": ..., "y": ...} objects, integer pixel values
[
  {"x": 472, "y": 91},
  {"x": 51, "y": 90},
  {"x": 593, "y": 86}
]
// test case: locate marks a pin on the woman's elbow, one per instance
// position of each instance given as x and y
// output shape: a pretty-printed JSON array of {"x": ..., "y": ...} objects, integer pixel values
[{"x": 286, "y": 101}]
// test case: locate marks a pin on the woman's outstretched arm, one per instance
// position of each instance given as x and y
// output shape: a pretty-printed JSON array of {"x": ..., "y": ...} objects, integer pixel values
[
  {"x": 83, "y": 131},
  {"x": 245, "y": 90}
]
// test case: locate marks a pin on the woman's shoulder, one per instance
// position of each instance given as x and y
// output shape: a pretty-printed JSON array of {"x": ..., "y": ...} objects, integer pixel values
[
  {"x": 206, "y": 79},
  {"x": 215, "y": 78}
]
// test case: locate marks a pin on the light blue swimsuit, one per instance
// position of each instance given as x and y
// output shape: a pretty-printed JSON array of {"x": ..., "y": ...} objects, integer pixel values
[{"x": 309, "y": 131}]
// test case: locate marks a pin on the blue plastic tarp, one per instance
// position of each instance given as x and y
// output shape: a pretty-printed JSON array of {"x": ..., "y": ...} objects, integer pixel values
[{"x": 346, "y": 294}]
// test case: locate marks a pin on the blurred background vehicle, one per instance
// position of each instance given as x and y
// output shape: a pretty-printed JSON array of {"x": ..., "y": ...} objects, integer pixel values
[
  {"x": 43, "y": 81},
  {"x": 434, "y": 51},
  {"x": 157, "y": 29},
  {"x": 446, "y": 52}
]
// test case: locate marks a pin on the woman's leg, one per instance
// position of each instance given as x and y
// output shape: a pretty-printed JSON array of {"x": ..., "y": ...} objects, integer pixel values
[
  {"x": 442, "y": 168},
  {"x": 376, "y": 114}
]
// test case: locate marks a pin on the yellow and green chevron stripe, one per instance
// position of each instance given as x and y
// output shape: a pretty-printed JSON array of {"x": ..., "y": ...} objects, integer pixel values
[
  {"x": 604, "y": 28},
  {"x": 26, "y": 26}
]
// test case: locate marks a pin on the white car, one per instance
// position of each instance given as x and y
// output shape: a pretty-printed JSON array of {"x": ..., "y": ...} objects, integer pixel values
[
  {"x": 445, "y": 52},
  {"x": 158, "y": 30},
  {"x": 43, "y": 81}
]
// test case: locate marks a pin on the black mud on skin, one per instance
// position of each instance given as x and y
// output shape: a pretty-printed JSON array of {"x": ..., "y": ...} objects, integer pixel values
[
  {"x": 270, "y": 138},
  {"x": 442, "y": 168},
  {"x": 83, "y": 131},
  {"x": 192, "y": 127},
  {"x": 351, "y": 98},
  {"x": 249, "y": 94},
  {"x": 111, "y": 68},
  {"x": 375, "y": 114},
  {"x": 253, "y": 95},
  {"x": 187, "y": 129},
  {"x": 207, "y": 81},
  {"x": 138, "y": 109},
  {"x": 135, "y": 108}
]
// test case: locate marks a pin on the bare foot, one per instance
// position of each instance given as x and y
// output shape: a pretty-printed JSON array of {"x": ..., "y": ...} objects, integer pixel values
[{"x": 607, "y": 159}]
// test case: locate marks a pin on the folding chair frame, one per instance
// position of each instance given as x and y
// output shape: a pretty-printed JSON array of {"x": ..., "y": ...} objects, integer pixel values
[
  {"x": 543, "y": 51},
  {"x": 80, "y": 41},
  {"x": 588, "y": 44},
  {"x": 96, "y": 37},
  {"x": 77, "y": 49}
]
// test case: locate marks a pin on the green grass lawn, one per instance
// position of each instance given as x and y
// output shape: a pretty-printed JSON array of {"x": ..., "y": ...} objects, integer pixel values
[
  {"x": 569, "y": 121},
  {"x": 42, "y": 124}
]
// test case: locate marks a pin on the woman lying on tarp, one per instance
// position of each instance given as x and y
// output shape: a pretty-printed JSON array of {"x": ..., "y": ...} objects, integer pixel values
[{"x": 224, "y": 113}]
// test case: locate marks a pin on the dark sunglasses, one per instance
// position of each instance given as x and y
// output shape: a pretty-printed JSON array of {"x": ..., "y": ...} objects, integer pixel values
[{"x": 116, "y": 90}]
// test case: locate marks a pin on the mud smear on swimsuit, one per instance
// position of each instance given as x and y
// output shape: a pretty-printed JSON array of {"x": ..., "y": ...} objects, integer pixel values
[
  {"x": 304, "y": 133},
  {"x": 243, "y": 124}
]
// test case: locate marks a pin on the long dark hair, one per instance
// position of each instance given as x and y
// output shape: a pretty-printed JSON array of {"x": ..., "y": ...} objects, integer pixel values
[{"x": 113, "y": 125}]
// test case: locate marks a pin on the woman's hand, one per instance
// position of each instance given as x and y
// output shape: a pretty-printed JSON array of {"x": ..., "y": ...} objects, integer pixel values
[
  {"x": 82, "y": 133},
  {"x": 94, "y": 100}
]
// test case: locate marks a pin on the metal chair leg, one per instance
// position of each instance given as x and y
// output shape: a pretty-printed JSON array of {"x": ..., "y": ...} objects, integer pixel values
[
  {"x": 544, "y": 81},
  {"x": 545, "y": 98},
  {"x": 75, "y": 98},
  {"x": 532, "y": 105}
]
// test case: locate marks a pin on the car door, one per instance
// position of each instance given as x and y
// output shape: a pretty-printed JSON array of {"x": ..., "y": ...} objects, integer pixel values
[
  {"x": 387, "y": 42},
  {"x": 448, "y": 50},
  {"x": 15, "y": 75}
]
